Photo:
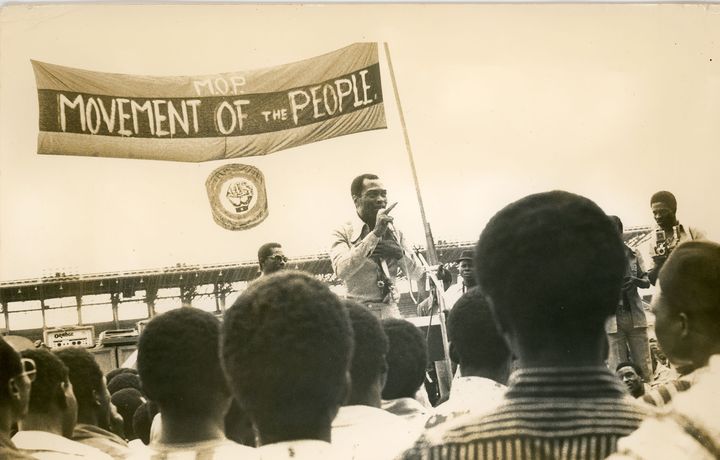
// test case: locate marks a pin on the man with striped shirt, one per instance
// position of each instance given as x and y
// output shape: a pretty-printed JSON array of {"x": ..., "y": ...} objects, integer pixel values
[{"x": 551, "y": 266}]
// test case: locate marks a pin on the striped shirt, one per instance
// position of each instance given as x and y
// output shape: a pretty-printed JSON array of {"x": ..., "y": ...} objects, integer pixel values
[{"x": 548, "y": 413}]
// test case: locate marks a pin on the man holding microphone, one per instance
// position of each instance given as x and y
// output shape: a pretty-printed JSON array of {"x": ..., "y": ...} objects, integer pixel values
[{"x": 367, "y": 251}]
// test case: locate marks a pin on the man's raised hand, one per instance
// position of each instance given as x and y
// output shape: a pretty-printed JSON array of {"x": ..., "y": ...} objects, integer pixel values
[{"x": 383, "y": 220}]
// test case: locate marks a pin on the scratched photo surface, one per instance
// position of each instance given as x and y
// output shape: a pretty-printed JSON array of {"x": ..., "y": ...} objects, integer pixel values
[{"x": 115, "y": 119}]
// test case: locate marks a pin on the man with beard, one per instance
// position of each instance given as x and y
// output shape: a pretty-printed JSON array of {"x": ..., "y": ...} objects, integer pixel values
[
  {"x": 366, "y": 252},
  {"x": 669, "y": 232}
]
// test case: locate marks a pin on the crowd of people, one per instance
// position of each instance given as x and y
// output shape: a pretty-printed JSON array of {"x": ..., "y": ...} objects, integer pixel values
[{"x": 553, "y": 360}]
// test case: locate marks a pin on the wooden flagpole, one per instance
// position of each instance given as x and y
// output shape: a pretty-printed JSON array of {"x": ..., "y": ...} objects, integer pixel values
[
  {"x": 431, "y": 252},
  {"x": 444, "y": 369}
]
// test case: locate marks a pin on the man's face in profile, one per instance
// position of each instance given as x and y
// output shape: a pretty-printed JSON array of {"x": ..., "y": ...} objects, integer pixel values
[{"x": 276, "y": 261}]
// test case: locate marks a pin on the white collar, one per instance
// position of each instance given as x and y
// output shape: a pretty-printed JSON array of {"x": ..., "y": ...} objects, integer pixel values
[
  {"x": 356, "y": 228},
  {"x": 299, "y": 448},
  {"x": 352, "y": 415},
  {"x": 50, "y": 442}
]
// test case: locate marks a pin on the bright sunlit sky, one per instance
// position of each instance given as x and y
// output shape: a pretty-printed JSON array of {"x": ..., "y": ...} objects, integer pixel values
[{"x": 613, "y": 102}]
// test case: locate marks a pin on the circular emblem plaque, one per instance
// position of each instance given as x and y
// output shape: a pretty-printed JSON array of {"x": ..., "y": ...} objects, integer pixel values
[{"x": 237, "y": 196}]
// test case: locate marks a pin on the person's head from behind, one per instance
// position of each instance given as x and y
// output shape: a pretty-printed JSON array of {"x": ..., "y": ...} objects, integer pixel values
[
  {"x": 286, "y": 345},
  {"x": 475, "y": 343},
  {"x": 127, "y": 401},
  {"x": 406, "y": 359},
  {"x": 89, "y": 387},
  {"x": 16, "y": 377},
  {"x": 120, "y": 370},
  {"x": 629, "y": 373},
  {"x": 618, "y": 223},
  {"x": 122, "y": 381},
  {"x": 53, "y": 406},
  {"x": 552, "y": 267},
  {"x": 687, "y": 304},
  {"x": 369, "y": 367},
  {"x": 271, "y": 258},
  {"x": 179, "y": 365}
]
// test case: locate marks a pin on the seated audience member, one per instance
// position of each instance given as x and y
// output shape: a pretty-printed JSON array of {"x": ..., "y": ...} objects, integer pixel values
[
  {"x": 93, "y": 403},
  {"x": 552, "y": 268},
  {"x": 483, "y": 357},
  {"x": 16, "y": 377},
  {"x": 286, "y": 345},
  {"x": 687, "y": 314},
  {"x": 122, "y": 381},
  {"x": 179, "y": 367},
  {"x": 629, "y": 375},
  {"x": 688, "y": 429},
  {"x": 127, "y": 401},
  {"x": 362, "y": 429},
  {"x": 406, "y": 361},
  {"x": 662, "y": 371},
  {"x": 46, "y": 430}
]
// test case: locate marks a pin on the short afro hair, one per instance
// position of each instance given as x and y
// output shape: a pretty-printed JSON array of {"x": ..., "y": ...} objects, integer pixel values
[
  {"x": 85, "y": 374},
  {"x": 473, "y": 333},
  {"x": 635, "y": 367},
  {"x": 10, "y": 366},
  {"x": 122, "y": 381},
  {"x": 690, "y": 282},
  {"x": 120, "y": 370},
  {"x": 179, "y": 362},
  {"x": 286, "y": 345},
  {"x": 356, "y": 186},
  {"x": 406, "y": 359},
  {"x": 46, "y": 390},
  {"x": 551, "y": 265},
  {"x": 127, "y": 402},
  {"x": 665, "y": 197},
  {"x": 371, "y": 347},
  {"x": 265, "y": 251}
]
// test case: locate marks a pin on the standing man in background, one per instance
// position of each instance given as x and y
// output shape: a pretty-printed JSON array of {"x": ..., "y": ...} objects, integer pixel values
[
  {"x": 271, "y": 258},
  {"x": 366, "y": 252},
  {"x": 627, "y": 328},
  {"x": 669, "y": 232}
]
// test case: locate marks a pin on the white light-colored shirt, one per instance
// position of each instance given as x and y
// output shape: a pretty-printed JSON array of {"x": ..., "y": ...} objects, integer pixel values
[
  {"x": 689, "y": 428},
  {"x": 409, "y": 409},
  {"x": 468, "y": 395},
  {"x": 352, "y": 245},
  {"x": 216, "y": 449},
  {"x": 370, "y": 433},
  {"x": 49, "y": 446},
  {"x": 305, "y": 449}
]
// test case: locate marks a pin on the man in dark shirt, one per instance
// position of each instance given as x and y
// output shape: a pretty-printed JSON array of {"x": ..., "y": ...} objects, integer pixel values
[{"x": 552, "y": 268}]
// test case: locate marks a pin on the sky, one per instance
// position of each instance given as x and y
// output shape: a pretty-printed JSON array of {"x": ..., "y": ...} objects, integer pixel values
[{"x": 614, "y": 102}]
